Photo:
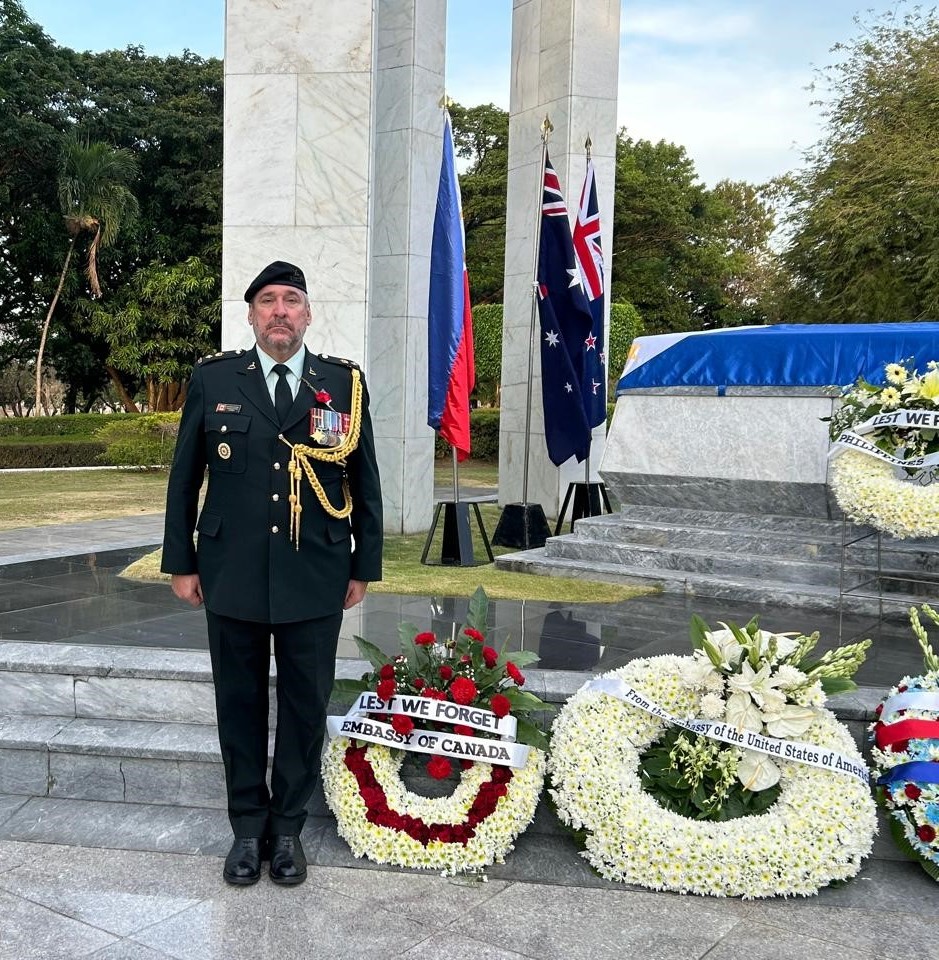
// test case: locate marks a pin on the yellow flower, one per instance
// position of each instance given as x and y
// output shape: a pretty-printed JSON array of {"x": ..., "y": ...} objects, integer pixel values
[
  {"x": 896, "y": 373},
  {"x": 889, "y": 396},
  {"x": 929, "y": 386}
]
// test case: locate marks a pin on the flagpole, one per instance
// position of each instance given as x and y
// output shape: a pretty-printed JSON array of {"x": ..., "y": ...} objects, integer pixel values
[
  {"x": 456, "y": 476},
  {"x": 546, "y": 128},
  {"x": 588, "y": 143}
]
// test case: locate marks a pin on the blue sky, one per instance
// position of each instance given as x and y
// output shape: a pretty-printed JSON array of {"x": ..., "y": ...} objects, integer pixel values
[{"x": 725, "y": 78}]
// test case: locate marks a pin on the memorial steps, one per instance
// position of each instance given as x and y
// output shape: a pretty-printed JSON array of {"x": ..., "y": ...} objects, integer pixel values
[{"x": 761, "y": 559}]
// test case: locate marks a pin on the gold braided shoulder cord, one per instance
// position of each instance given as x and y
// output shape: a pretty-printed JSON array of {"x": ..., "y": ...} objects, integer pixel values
[{"x": 300, "y": 458}]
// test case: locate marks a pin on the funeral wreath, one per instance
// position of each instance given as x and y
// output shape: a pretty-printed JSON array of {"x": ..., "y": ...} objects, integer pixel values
[
  {"x": 906, "y": 754},
  {"x": 460, "y": 702},
  {"x": 885, "y": 441},
  {"x": 719, "y": 773}
]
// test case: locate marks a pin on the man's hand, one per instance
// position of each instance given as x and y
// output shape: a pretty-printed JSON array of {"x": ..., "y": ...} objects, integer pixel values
[
  {"x": 355, "y": 593},
  {"x": 187, "y": 587}
]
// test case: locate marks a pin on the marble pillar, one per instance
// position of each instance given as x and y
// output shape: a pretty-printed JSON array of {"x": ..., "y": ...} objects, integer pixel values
[
  {"x": 331, "y": 142},
  {"x": 565, "y": 63}
]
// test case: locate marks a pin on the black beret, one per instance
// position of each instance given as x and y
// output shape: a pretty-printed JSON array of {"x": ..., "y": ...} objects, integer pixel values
[{"x": 280, "y": 272}]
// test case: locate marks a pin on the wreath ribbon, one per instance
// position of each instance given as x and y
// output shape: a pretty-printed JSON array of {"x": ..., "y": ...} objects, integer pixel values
[{"x": 809, "y": 754}]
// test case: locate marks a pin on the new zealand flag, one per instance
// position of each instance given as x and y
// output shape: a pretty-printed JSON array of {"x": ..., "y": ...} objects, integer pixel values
[{"x": 566, "y": 324}]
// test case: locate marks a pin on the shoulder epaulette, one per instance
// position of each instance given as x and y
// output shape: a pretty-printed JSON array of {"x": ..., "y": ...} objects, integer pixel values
[
  {"x": 341, "y": 361},
  {"x": 221, "y": 355}
]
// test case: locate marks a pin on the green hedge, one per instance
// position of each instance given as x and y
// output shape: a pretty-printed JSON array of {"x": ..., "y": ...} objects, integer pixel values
[
  {"x": 145, "y": 441},
  {"x": 57, "y": 453},
  {"x": 66, "y": 425},
  {"x": 484, "y": 436}
]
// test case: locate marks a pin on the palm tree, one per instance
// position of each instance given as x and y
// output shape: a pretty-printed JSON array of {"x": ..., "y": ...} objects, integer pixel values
[{"x": 95, "y": 199}]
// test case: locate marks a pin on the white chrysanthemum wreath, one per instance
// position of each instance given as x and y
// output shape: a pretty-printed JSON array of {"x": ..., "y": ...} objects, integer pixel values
[
  {"x": 459, "y": 700},
  {"x": 818, "y": 829},
  {"x": 869, "y": 492}
]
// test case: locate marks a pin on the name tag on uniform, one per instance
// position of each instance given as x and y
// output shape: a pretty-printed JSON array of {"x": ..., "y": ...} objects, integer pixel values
[
  {"x": 329, "y": 427},
  {"x": 228, "y": 408}
]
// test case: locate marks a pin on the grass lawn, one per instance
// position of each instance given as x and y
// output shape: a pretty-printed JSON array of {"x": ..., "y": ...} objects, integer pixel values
[
  {"x": 37, "y": 497},
  {"x": 44, "y": 497}
]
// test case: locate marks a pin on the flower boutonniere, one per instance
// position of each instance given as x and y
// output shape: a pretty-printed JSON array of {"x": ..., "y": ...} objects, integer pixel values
[{"x": 324, "y": 397}]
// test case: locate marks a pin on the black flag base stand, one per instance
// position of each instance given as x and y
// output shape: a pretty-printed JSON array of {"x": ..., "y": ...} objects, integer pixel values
[
  {"x": 587, "y": 502},
  {"x": 456, "y": 550},
  {"x": 522, "y": 525}
]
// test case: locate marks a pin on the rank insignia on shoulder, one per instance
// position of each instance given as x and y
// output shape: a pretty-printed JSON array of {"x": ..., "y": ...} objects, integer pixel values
[
  {"x": 221, "y": 355},
  {"x": 342, "y": 361}
]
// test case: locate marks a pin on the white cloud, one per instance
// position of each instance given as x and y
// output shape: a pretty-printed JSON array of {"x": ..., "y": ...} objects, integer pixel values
[{"x": 686, "y": 23}]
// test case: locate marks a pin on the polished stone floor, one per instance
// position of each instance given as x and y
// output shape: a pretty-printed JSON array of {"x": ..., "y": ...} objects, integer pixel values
[
  {"x": 83, "y": 599},
  {"x": 63, "y": 903}
]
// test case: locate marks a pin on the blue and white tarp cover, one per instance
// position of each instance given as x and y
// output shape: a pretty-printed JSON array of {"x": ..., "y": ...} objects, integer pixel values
[{"x": 785, "y": 355}]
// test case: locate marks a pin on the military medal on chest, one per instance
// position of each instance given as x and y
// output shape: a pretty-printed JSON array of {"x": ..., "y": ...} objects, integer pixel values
[{"x": 329, "y": 427}]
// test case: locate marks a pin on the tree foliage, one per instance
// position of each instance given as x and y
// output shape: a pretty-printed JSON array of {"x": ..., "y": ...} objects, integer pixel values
[
  {"x": 157, "y": 326},
  {"x": 864, "y": 210},
  {"x": 167, "y": 112},
  {"x": 481, "y": 137},
  {"x": 684, "y": 255}
]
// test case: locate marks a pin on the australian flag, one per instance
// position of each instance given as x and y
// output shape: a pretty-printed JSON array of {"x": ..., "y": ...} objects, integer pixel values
[
  {"x": 566, "y": 323},
  {"x": 589, "y": 255}
]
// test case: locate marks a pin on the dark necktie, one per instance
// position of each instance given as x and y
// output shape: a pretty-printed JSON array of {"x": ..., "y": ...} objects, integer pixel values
[{"x": 283, "y": 398}]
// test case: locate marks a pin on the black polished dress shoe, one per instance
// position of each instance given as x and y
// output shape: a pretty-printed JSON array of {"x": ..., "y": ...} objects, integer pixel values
[
  {"x": 288, "y": 862},
  {"x": 243, "y": 863}
]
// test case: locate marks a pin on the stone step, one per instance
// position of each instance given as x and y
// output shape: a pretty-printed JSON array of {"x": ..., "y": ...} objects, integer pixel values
[
  {"x": 694, "y": 559},
  {"x": 720, "y": 520},
  {"x": 900, "y": 556},
  {"x": 753, "y": 590},
  {"x": 134, "y": 761}
]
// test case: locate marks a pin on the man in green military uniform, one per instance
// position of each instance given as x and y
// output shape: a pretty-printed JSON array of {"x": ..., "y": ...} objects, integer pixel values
[{"x": 290, "y": 534}]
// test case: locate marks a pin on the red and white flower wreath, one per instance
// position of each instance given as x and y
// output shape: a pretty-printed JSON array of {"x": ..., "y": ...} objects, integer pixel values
[{"x": 380, "y": 818}]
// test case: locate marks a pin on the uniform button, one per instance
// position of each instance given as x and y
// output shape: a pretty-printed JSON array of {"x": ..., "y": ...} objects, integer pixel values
[
  {"x": 276, "y": 497},
  {"x": 277, "y": 466},
  {"x": 224, "y": 428},
  {"x": 275, "y": 528}
]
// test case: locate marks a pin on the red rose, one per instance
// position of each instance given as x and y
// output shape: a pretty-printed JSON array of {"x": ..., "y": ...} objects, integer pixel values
[
  {"x": 419, "y": 683},
  {"x": 425, "y": 639},
  {"x": 402, "y": 724},
  {"x": 439, "y": 767},
  {"x": 490, "y": 656},
  {"x": 461, "y": 730},
  {"x": 466, "y": 658},
  {"x": 446, "y": 672},
  {"x": 387, "y": 672},
  {"x": 900, "y": 746},
  {"x": 434, "y": 693},
  {"x": 474, "y": 635},
  {"x": 323, "y": 396},
  {"x": 463, "y": 690},
  {"x": 500, "y": 705},
  {"x": 386, "y": 689},
  {"x": 512, "y": 671},
  {"x": 902, "y": 688},
  {"x": 912, "y": 791},
  {"x": 466, "y": 764},
  {"x": 926, "y": 833}
]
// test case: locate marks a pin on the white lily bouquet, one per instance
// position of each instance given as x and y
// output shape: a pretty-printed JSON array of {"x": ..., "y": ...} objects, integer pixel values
[{"x": 763, "y": 683}]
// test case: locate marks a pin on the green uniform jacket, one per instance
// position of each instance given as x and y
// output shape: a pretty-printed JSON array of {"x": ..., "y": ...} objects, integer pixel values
[{"x": 247, "y": 565}]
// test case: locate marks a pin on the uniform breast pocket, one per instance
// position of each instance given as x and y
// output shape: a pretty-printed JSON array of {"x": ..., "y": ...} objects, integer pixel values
[{"x": 226, "y": 438}]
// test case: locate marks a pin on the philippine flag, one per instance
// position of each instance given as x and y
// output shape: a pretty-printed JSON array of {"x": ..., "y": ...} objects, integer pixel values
[{"x": 451, "y": 369}]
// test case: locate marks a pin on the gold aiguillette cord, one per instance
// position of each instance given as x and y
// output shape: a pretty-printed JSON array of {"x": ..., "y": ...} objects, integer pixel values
[{"x": 301, "y": 455}]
